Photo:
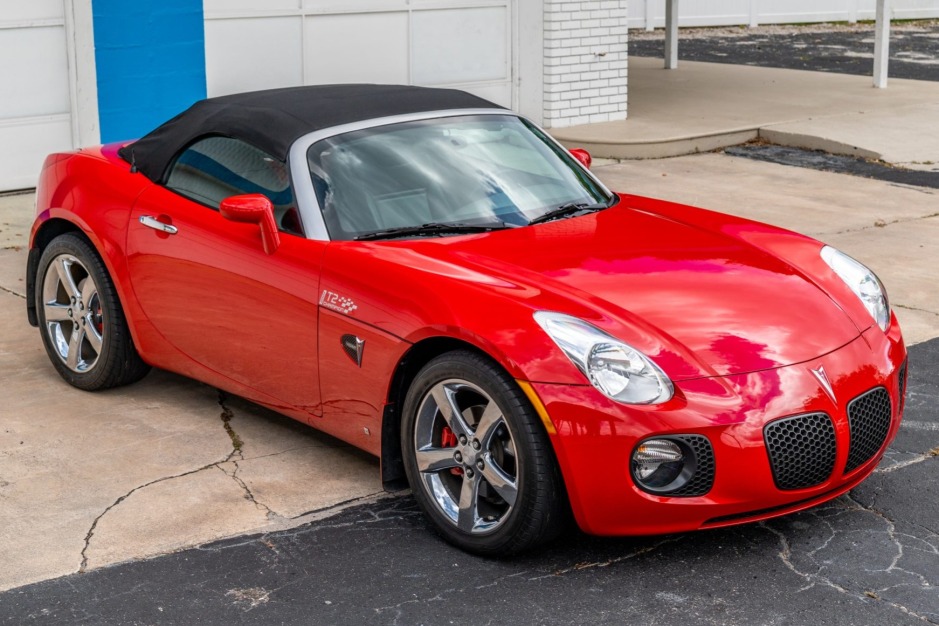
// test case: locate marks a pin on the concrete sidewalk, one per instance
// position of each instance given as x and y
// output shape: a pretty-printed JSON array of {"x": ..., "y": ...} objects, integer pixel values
[{"x": 705, "y": 106}]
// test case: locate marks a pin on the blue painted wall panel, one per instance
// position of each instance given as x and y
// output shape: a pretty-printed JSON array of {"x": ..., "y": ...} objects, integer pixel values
[{"x": 150, "y": 57}]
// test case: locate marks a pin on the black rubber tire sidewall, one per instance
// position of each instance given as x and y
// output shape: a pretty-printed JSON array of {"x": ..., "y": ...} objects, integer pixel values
[
  {"x": 538, "y": 514},
  {"x": 118, "y": 363}
]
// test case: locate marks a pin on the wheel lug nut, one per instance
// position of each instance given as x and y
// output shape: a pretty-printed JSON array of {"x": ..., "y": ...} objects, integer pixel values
[
  {"x": 479, "y": 465},
  {"x": 469, "y": 473},
  {"x": 462, "y": 440},
  {"x": 458, "y": 457},
  {"x": 475, "y": 444}
]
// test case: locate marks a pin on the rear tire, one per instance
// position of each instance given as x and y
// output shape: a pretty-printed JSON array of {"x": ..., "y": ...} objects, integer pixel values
[
  {"x": 478, "y": 459},
  {"x": 81, "y": 321}
]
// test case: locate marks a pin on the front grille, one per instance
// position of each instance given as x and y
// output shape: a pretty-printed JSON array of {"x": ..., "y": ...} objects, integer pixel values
[
  {"x": 869, "y": 418},
  {"x": 801, "y": 450},
  {"x": 703, "y": 477}
]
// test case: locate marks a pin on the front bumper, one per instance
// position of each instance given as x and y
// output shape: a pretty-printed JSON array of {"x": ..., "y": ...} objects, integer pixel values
[{"x": 596, "y": 436}]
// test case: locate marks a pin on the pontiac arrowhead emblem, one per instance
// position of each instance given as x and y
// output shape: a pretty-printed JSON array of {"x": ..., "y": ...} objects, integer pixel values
[{"x": 822, "y": 377}]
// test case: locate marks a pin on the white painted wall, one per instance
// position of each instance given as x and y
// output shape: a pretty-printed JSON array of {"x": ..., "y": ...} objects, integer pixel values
[
  {"x": 42, "y": 57},
  {"x": 651, "y": 13},
  {"x": 585, "y": 66}
]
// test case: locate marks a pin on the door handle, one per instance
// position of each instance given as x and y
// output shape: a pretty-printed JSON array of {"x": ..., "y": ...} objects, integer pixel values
[{"x": 155, "y": 224}]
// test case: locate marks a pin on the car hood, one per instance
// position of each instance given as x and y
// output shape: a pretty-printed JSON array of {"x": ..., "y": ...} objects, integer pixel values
[{"x": 699, "y": 302}]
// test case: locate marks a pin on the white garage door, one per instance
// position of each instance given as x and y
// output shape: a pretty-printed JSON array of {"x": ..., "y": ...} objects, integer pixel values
[
  {"x": 467, "y": 44},
  {"x": 35, "y": 106}
]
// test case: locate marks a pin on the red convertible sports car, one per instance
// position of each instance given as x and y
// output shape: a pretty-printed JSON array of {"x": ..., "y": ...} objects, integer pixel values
[{"x": 432, "y": 278}]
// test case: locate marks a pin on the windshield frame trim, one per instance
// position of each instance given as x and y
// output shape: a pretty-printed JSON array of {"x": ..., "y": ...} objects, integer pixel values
[{"x": 311, "y": 213}]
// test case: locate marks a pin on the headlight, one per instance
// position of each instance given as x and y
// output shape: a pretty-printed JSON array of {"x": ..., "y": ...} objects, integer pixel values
[
  {"x": 863, "y": 282},
  {"x": 616, "y": 369}
]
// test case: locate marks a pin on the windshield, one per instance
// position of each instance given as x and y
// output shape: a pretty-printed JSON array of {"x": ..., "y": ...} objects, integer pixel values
[{"x": 470, "y": 170}]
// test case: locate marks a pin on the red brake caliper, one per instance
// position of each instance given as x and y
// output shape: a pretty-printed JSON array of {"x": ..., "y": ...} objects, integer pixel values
[
  {"x": 99, "y": 319},
  {"x": 449, "y": 440}
]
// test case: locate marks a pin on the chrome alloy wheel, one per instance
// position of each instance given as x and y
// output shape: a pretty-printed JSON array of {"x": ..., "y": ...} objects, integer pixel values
[
  {"x": 466, "y": 456},
  {"x": 73, "y": 314}
]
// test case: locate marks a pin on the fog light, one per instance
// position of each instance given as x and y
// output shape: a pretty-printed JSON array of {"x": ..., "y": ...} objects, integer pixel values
[
  {"x": 661, "y": 465},
  {"x": 657, "y": 462}
]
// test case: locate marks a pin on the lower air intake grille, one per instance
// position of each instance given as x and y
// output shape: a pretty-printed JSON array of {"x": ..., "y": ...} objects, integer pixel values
[
  {"x": 703, "y": 477},
  {"x": 869, "y": 417},
  {"x": 801, "y": 450}
]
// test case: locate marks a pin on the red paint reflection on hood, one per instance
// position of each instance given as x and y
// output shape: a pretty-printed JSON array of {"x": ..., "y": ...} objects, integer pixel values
[{"x": 735, "y": 307}]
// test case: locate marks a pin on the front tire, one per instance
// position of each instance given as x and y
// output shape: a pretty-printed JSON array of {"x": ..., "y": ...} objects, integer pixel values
[
  {"x": 80, "y": 318},
  {"x": 478, "y": 459}
]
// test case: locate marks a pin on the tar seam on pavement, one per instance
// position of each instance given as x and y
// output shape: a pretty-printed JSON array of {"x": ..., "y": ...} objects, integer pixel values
[
  {"x": 867, "y": 558},
  {"x": 823, "y": 161}
]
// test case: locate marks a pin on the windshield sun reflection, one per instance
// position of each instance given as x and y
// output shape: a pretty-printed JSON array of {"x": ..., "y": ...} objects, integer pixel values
[{"x": 467, "y": 171}]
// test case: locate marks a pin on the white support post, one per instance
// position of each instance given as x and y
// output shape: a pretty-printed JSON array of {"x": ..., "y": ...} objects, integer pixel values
[
  {"x": 852, "y": 11},
  {"x": 83, "y": 83},
  {"x": 650, "y": 14},
  {"x": 671, "y": 34},
  {"x": 881, "y": 43},
  {"x": 754, "y": 14}
]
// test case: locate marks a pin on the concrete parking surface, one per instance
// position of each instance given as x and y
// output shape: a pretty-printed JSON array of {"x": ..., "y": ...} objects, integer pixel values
[
  {"x": 704, "y": 106},
  {"x": 90, "y": 479}
]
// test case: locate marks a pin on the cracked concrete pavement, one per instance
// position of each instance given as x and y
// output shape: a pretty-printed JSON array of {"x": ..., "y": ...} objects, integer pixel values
[
  {"x": 88, "y": 480},
  {"x": 867, "y": 558}
]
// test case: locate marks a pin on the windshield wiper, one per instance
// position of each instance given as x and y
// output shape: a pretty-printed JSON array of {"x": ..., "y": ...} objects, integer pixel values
[
  {"x": 569, "y": 209},
  {"x": 432, "y": 228}
]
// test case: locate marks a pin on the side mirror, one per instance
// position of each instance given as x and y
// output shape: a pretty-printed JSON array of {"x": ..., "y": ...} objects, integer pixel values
[
  {"x": 582, "y": 155},
  {"x": 253, "y": 208}
]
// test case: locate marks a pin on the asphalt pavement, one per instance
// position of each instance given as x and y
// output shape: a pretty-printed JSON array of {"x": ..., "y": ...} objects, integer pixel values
[
  {"x": 838, "y": 48},
  {"x": 870, "y": 557}
]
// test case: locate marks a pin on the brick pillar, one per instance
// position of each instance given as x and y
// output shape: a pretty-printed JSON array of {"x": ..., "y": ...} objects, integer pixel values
[{"x": 584, "y": 61}]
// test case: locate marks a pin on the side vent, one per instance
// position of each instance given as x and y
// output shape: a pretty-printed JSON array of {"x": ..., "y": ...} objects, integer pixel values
[{"x": 353, "y": 347}]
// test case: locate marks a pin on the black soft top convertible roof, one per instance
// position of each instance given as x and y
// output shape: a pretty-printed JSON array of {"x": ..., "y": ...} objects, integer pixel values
[{"x": 272, "y": 120}]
